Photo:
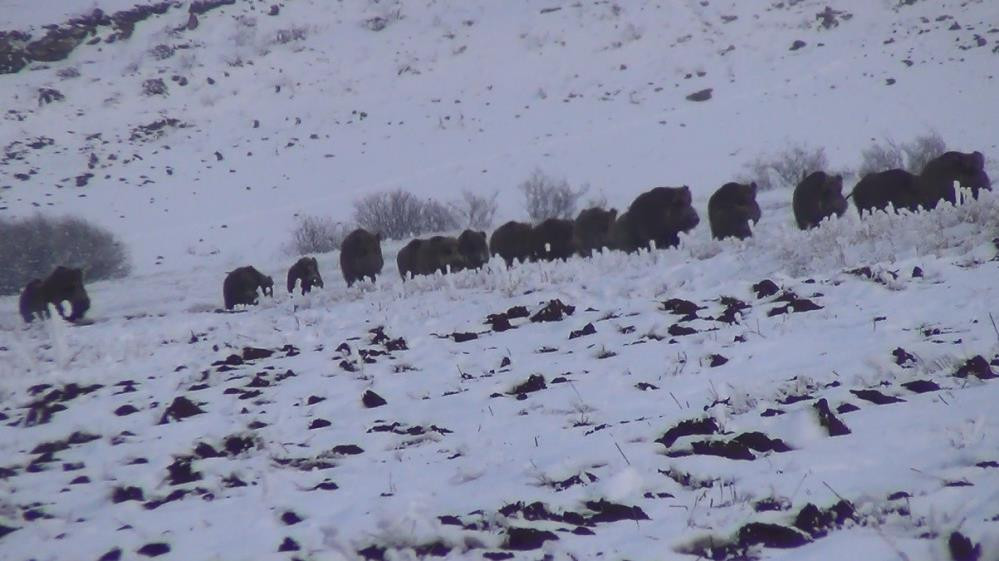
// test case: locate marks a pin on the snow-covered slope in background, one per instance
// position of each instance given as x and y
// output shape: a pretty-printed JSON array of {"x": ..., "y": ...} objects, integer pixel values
[
  {"x": 888, "y": 321},
  {"x": 470, "y": 95}
]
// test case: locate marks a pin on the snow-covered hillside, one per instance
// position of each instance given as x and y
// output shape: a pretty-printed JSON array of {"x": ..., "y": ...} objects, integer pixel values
[
  {"x": 308, "y": 109},
  {"x": 799, "y": 395}
]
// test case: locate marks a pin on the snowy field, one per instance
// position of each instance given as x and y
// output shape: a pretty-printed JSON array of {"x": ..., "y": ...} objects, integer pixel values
[{"x": 665, "y": 405}]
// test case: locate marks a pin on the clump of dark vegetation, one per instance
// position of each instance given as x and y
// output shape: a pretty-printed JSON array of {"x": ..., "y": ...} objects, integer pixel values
[{"x": 32, "y": 247}]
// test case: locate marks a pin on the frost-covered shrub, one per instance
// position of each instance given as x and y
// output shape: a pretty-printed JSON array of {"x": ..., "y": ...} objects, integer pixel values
[
  {"x": 437, "y": 217},
  {"x": 547, "y": 197},
  {"x": 880, "y": 157},
  {"x": 400, "y": 214},
  {"x": 475, "y": 211},
  {"x": 32, "y": 247},
  {"x": 317, "y": 234},
  {"x": 786, "y": 169},
  {"x": 921, "y": 150},
  {"x": 887, "y": 237},
  {"x": 911, "y": 156}
]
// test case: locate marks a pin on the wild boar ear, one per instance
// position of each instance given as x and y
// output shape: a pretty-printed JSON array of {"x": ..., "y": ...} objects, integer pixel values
[
  {"x": 752, "y": 187},
  {"x": 978, "y": 160},
  {"x": 613, "y": 214},
  {"x": 685, "y": 193}
]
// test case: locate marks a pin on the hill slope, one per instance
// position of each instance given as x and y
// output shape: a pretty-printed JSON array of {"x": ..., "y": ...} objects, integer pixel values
[
  {"x": 655, "y": 406},
  {"x": 309, "y": 109}
]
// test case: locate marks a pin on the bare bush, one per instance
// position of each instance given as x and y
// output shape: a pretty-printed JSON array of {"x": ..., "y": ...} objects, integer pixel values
[
  {"x": 786, "y": 169},
  {"x": 911, "y": 156},
  {"x": 400, "y": 214},
  {"x": 880, "y": 157},
  {"x": 32, "y": 247},
  {"x": 547, "y": 197},
  {"x": 921, "y": 150},
  {"x": 317, "y": 234},
  {"x": 437, "y": 217},
  {"x": 475, "y": 211}
]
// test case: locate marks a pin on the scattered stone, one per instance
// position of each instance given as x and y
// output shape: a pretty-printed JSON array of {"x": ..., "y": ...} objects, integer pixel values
[
  {"x": 462, "y": 337},
  {"x": 125, "y": 410},
  {"x": 681, "y": 307},
  {"x": 976, "y": 366},
  {"x": 828, "y": 420},
  {"x": 876, "y": 397},
  {"x": 677, "y": 330},
  {"x": 371, "y": 400},
  {"x": 526, "y": 539},
  {"x": 253, "y": 353},
  {"x": 761, "y": 442},
  {"x": 181, "y": 408},
  {"x": 701, "y": 95},
  {"x": 921, "y": 386},
  {"x": 535, "y": 382},
  {"x": 846, "y": 407},
  {"x": 612, "y": 512},
  {"x": 771, "y": 535},
  {"x": 154, "y": 130},
  {"x": 798, "y": 43},
  {"x": 122, "y": 494},
  {"x": 289, "y": 545},
  {"x": 180, "y": 472},
  {"x": 348, "y": 450},
  {"x": 555, "y": 310},
  {"x": 962, "y": 548},
  {"x": 903, "y": 358},
  {"x": 588, "y": 329},
  {"x": 716, "y": 360},
  {"x": 771, "y": 504},
  {"x": 203, "y": 450},
  {"x": 687, "y": 428},
  {"x": 731, "y": 450},
  {"x": 112, "y": 555},
  {"x": 817, "y": 523},
  {"x": 200, "y": 7},
  {"x": 372, "y": 553},
  {"x": 154, "y": 549}
]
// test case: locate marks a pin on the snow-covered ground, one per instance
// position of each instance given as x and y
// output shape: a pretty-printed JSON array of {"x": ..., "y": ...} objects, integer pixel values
[{"x": 284, "y": 459}]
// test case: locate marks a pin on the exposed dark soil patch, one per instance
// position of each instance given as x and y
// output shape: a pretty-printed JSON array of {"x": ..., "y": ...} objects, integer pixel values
[
  {"x": 828, "y": 420},
  {"x": 555, "y": 310},
  {"x": 687, "y": 428}
]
